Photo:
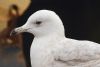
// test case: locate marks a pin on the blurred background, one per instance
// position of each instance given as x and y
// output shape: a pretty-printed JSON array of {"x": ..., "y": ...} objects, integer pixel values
[
  {"x": 81, "y": 19},
  {"x": 11, "y": 50}
]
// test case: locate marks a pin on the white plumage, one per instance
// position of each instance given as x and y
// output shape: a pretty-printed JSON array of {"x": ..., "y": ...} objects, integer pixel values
[{"x": 50, "y": 47}]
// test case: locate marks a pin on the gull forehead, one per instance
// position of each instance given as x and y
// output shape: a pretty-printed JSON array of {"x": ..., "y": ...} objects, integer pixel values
[
  {"x": 45, "y": 12},
  {"x": 42, "y": 15}
]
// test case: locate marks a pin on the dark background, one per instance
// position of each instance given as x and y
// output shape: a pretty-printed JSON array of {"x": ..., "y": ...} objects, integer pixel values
[{"x": 81, "y": 19}]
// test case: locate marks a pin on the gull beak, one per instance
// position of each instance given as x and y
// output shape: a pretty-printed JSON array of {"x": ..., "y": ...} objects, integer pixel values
[
  {"x": 21, "y": 29},
  {"x": 18, "y": 30}
]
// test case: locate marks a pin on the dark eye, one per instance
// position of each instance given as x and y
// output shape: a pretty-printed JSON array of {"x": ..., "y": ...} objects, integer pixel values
[{"x": 38, "y": 22}]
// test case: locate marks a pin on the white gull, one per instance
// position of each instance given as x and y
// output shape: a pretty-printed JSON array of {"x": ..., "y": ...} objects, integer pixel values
[{"x": 50, "y": 47}]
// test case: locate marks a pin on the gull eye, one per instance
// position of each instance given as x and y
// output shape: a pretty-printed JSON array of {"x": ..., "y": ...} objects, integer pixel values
[{"x": 38, "y": 22}]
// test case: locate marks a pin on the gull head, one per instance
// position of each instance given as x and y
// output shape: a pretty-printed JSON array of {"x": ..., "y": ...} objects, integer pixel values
[{"x": 42, "y": 23}]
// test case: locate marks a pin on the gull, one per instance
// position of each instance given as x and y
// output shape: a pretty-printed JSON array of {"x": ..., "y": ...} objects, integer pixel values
[{"x": 50, "y": 47}]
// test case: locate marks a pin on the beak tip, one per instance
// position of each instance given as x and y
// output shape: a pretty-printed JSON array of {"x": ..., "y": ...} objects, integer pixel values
[{"x": 13, "y": 32}]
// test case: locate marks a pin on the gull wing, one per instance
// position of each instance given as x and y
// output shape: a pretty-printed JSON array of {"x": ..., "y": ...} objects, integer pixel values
[{"x": 78, "y": 53}]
